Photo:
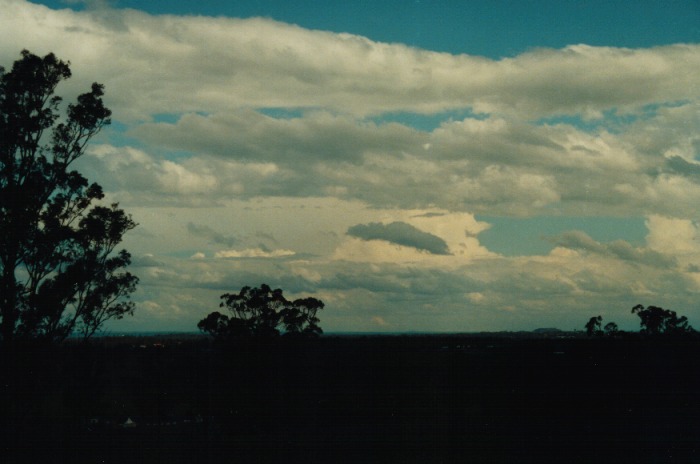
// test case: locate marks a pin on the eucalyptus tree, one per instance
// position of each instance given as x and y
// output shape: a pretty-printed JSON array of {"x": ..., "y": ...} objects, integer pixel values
[
  {"x": 655, "y": 320},
  {"x": 60, "y": 271},
  {"x": 593, "y": 326},
  {"x": 263, "y": 312}
]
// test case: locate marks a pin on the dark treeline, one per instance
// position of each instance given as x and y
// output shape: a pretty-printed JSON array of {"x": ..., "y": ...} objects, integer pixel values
[{"x": 355, "y": 399}]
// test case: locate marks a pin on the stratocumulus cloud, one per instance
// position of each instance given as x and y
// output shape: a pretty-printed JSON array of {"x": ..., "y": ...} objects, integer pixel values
[{"x": 272, "y": 64}]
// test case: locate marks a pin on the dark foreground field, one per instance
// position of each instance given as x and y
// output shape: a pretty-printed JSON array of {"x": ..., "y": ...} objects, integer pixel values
[{"x": 354, "y": 399}]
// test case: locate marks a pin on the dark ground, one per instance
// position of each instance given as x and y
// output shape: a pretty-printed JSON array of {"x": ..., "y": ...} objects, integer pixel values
[{"x": 427, "y": 399}]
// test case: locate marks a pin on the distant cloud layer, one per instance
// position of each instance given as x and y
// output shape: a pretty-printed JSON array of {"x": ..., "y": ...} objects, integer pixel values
[{"x": 251, "y": 151}]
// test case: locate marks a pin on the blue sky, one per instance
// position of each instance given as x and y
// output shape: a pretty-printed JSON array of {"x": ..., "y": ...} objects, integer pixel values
[
  {"x": 495, "y": 29},
  {"x": 418, "y": 165}
]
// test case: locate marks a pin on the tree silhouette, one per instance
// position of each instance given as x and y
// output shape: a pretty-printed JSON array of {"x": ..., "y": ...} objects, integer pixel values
[
  {"x": 593, "y": 326},
  {"x": 215, "y": 324},
  {"x": 299, "y": 318},
  {"x": 58, "y": 269},
  {"x": 611, "y": 329},
  {"x": 260, "y": 312},
  {"x": 655, "y": 321}
]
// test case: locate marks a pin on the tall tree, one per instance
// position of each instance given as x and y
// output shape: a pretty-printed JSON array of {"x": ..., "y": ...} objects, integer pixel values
[
  {"x": 655, "y": 321},
  {"x": 261, "y": 312},
  {"x": 593, "y": 326},
  {"x": 58, "y": 268}
]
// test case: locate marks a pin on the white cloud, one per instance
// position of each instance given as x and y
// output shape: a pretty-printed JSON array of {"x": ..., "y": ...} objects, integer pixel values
[
  {"x": 253, "y": 253},
  {"x": 503, "y": 164},
  {"x": 673, "y": 236},
  {"x": 180, "y": 63}
]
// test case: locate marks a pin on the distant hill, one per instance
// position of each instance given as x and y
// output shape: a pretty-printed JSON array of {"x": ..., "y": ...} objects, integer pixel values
[{"x": 547, "y": 330}]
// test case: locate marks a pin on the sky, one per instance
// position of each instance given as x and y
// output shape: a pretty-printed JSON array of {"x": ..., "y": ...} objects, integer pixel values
[{"x": 420, "y": 166}]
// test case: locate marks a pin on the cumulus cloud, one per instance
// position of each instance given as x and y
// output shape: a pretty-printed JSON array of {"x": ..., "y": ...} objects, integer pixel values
[
  {"x": 137, "y": 173},
  {"x": 673, "y": 235},
  {"x": 400, "y": 233}
]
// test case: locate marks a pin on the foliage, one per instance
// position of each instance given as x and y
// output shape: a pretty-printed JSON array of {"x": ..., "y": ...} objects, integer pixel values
[
  {"x": 59, "y": 272},
  {"x": 593, "y": 326},
  {"x": 655, "y": 321},
  {"x": 261, "y": 312},
  {"x": 611, "y": 329}
]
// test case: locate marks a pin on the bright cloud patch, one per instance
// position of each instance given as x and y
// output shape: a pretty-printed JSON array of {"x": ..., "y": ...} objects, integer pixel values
[{"x": 253, "y": 253}]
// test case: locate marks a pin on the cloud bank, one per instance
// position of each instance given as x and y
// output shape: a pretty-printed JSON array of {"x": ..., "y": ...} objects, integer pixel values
[{"x": 251, "y": 151}]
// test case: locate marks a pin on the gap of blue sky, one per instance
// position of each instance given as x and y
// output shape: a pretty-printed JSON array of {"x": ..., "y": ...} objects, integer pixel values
[{"x": 495, "y": 29}]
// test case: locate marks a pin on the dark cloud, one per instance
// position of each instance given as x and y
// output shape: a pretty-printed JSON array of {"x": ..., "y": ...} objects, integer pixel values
[
  {"x": 618, "y": 249},
  {"x": 253, "y": 137},
  {"x": 266, "y": 236},
  {"x": 211, "y": 235},
  {"x": 399, "y": 281},
  {"x": 428, "y": 215},
  {"x": 400, "y": 233},
  {"x": 677, "y": 165},
  {"x": 145, "y": 261}
]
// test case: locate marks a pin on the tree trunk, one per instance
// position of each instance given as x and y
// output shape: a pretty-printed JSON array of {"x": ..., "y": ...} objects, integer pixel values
[{"x": 8, "y": 304}]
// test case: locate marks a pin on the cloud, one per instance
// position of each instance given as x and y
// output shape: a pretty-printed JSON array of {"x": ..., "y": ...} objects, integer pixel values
[
  {"x": 373, "y": 216},
  {"x": 400, "y": 233},
  {"x": 254, "y": 253},
  {"x": 146, "y": 260},
  {"x": 140, "y": 177},
  {"x": 251, "y": 136},
  {"x": 679, "y": 238},
  {"x": 337, "y": 88},
  {"x": 211, "y": 235},
  {"x": 618, "y": 249},
  {"x": 435, "y": 292},
  {"x": 180, "y": 64}
]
